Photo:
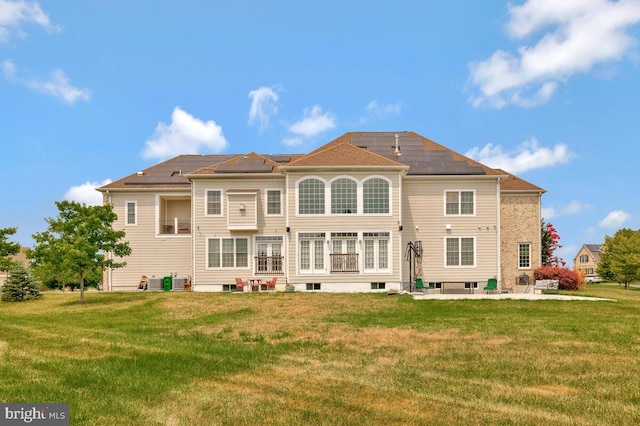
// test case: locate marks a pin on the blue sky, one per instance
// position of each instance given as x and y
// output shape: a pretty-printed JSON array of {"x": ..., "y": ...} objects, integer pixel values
[{"x": 94, "y": 90}]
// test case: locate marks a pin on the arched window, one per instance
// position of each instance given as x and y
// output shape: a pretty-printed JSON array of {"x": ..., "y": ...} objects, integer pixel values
[
  {"x": 375, "y": 193},
  {"x": 311, "y": 196},
  {"x": 344, "y": 196}
]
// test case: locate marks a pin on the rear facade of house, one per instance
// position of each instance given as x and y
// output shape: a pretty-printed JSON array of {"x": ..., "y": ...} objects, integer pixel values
[{"x": 368, "y": 211}]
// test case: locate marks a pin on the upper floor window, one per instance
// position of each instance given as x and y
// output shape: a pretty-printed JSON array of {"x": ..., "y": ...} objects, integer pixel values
[
  {"x": 132, "y": 217},
  {"x": 311, "y": 196},
  {"x": 584, "y": 258},
  {"x": 459, "y": 202},
  {"x": 375, "y": 194},
  {"x": 214, "y": 202},
  {"x": 524, "y": 255},
  {"x": 274, "y": 202},
  {"x": 344, "y": 196},
  {"x": 460, "y": 251}
]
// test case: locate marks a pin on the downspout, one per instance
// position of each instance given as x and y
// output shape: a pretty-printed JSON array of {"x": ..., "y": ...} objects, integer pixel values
[
  {"x": 109, "y": 270},
  {"x": 498, "y": 242},
  {"x": 400, "y": 240},
  {"x": 287, "y": 229},
  {"x": 193, "y": 235},
  {"x": 539, "y": 229}
]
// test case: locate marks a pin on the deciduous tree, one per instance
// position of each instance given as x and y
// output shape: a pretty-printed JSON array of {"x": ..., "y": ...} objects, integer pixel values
[
  {"x": 549, "y": 244},
  {"x": 620, "y": 256},
  {"x": 75, "y": 242}
]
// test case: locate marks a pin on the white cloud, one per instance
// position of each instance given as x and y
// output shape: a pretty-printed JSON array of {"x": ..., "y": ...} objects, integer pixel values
[
  {"x": 13, "y": 14},
  {"x": 573, "y": 207},
  {"x": 529, "y": 155},
  {"x": 293, "y": 141},
  {"x": 548, "y": 213},
  {"x": 57, "y": 86},
  {"x": 615, "y": 219},
  {"x": 185, "y": 135},
  {"x": 579, "y": 35},
  {"x": 86, "y": 193},
  {"x": 263, "y": 106},
  {"x": 375, "y": 111},
  {"x": 313, "y": 123}
]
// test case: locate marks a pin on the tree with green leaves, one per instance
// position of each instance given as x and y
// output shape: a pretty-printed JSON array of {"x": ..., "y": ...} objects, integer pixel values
[
  {"x": 620, "y": 256},
  {"x": 19, "y": 285},
  {"x": 7, "y": 248},
  {"x": 74, "y": 244}
]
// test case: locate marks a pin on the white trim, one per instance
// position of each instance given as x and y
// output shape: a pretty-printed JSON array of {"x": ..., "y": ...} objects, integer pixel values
[
  {"x": 235, "y": 253},
  {"x": 459, "y": 214},
  {"x": 358, "y": 196},
  {"x": 206, "y": 202},
  {"x": 266, "y": 202},
  {"x": 135, "y": 213},
  {"x": 361, "y": 198},
  {"x": 326, "y": 194},
  {"x": 475, "y": 253},
  {"x": 530, "y": 256}
]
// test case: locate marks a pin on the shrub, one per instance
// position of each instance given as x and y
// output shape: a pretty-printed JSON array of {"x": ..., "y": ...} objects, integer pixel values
[
  {"x": 567, "y": 279},
  {"x": 20, "y": 286}
]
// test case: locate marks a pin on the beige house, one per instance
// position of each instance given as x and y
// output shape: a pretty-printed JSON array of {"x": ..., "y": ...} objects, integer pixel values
[
  {"x": 360, "y": 213},
  {"x": 21, "y": 258},
  {"x": 588, "y": 258}
]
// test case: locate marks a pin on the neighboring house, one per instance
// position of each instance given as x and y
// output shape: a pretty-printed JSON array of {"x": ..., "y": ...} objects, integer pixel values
[
  {"x": 21, "y": 257},
  {"x": 587, "y": 258},
  {"x": 339, "y": 218}
]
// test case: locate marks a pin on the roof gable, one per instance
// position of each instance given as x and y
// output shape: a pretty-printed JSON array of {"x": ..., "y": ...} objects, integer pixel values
[
  {"x": 241, "y": 164},
  {"x": 343, "y": 154},
  {"x": 514, "y": 183}
]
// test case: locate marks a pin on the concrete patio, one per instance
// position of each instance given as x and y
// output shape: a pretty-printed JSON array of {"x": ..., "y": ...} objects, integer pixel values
[{"x": 497, "y": 296}]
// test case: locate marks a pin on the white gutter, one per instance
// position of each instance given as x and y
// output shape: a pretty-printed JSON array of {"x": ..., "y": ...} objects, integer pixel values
[
  {"x": 193, "y": 236},
  {"x": 498, "y": 238},
  {"x": 400, "y": 239},
  {"x": 109, "y": 270}
]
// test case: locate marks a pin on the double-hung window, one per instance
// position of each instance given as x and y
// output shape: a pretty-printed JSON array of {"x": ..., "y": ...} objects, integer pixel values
[
  {"x": 459, "y": 203},
  {"x": 228, "y": 253},
  {"x": 524, "y": 255},
  {"x": 584, "y": 258},
  {"x": 132, "y": 213},
  {"x": 214, "y": 202},
  {"x": 274, "y": 202},
  {"x": 460, "y": 251}
]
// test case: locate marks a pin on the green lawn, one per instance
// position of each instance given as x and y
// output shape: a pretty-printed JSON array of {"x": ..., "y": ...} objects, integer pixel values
[{"x": 348, "y": 359}]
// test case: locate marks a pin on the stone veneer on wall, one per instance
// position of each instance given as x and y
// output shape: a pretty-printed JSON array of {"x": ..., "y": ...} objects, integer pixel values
[{"x": 520, "y": 223}]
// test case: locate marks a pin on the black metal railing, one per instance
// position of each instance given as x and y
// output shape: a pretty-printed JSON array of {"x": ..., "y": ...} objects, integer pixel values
[
  {"x": 344, "y": 263},
  {"x": 268, "y": 265}
]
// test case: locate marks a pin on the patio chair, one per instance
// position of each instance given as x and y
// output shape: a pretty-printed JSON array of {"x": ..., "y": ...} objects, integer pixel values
[
  {"x": 423, "y": 288},
  {"x": 271, "y": 285},
  {"x": 492, "y": 285},
  {"x": 240, "y": 284}
]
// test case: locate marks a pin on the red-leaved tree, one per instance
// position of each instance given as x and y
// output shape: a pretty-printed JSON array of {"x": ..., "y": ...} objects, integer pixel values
[{"x": 550, "y": 243}]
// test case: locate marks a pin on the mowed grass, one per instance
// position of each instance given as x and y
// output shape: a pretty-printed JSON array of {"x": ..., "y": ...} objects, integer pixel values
[{"x": 325, "y": 359}]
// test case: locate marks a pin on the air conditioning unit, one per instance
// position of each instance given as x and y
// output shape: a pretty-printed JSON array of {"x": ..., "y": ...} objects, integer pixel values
[
  {"x": 155, "y": 284},
  {"x": 178, "y": 283}
]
